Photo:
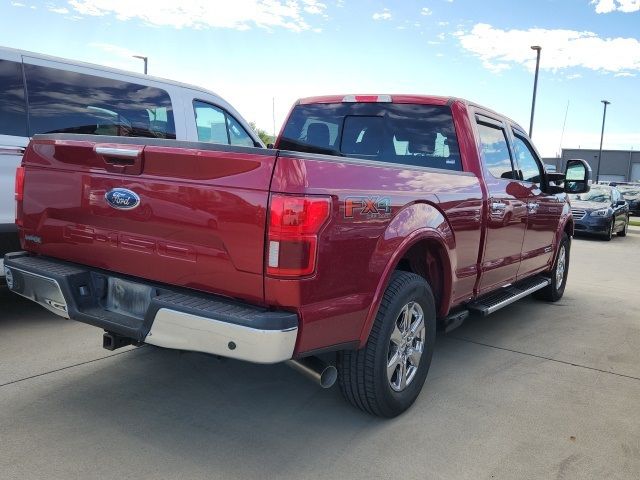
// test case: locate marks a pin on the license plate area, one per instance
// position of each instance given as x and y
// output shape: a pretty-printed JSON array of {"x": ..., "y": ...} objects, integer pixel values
[{"x": 128, "y": 298}]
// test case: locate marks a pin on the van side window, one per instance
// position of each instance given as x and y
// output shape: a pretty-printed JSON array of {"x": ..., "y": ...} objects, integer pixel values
[
  {"x": 217, "y": 126},
  {"x": 13, "y": 117},
  {"x": 495, "y": 151},
  {"x": 62, "y": 101}
]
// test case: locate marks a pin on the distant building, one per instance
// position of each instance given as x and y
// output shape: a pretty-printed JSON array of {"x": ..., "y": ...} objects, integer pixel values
[{"x": 617, "y": 165}]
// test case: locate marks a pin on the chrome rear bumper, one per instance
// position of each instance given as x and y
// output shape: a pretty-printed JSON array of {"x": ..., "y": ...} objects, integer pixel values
[{"x": 174, "y": 318}]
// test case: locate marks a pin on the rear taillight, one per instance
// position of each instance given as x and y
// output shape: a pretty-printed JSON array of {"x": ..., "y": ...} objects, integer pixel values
[
  {"x": 19, "y": 183},
  {"x": 294, "y": 224},
  {"x": 19, "y": 194}
]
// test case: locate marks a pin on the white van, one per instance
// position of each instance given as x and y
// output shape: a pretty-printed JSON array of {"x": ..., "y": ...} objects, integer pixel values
[{"x": 42, "y": 94}]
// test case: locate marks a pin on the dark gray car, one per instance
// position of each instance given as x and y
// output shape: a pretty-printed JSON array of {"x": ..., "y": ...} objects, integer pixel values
[{"x": 602, "y": 211}]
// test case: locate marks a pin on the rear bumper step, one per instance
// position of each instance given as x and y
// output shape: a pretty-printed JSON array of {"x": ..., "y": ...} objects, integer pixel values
[
  {"x": 508, "y": 295},
  {"x": 167, "y": 317}
]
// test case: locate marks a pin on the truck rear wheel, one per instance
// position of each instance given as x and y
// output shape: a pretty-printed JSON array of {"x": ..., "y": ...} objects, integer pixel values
[
  {"x": 554, "y": 291},
  {"x": 386, "y": 376}
]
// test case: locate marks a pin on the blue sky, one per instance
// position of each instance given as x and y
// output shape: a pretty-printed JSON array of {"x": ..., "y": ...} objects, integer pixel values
[{"x": 250, "y": 51}]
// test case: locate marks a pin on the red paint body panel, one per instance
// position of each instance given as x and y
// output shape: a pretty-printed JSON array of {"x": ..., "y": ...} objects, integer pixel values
[{"x": 202, "y": 223}]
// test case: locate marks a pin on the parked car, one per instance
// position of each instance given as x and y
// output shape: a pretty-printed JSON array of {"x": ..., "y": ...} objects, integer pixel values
[
  {"x": 602, "y": 211},
  {"x": 42, "y": 94},
  {"x": 631, "y": 193},
  {"x": 374, "y": 218}
]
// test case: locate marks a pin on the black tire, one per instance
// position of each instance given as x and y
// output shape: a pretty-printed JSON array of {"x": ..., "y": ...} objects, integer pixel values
[
  {"x": 362, "y": 374},
  {"x": 623, "y": 232},
  {"x": 609, "y": 235},
  {"x": 554, "y": 291}
]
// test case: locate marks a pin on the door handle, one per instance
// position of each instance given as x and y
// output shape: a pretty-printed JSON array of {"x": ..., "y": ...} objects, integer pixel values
[
  {"x": 113, "y": 154},
  {"x": 121, "y": 158},
  {"x": 498, "y": 206},
  {"x": 10, "y": 150}
]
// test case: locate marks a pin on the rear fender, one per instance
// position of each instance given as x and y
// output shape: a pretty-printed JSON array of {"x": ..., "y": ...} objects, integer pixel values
[{"x": 415, "y": 223}]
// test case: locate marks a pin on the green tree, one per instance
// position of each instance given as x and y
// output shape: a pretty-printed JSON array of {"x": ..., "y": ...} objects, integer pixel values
[{"x": 264, "y": 136}]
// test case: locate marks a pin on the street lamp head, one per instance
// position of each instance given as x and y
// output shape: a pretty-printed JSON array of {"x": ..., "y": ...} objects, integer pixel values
[
  {"x": 606, "y": 102},
  {"x": 140, "y": 57},
  {"x": 536, "y": 47}
]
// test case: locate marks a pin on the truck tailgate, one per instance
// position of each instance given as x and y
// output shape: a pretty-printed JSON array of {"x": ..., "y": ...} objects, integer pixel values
[{"x": 185, "y": 214}]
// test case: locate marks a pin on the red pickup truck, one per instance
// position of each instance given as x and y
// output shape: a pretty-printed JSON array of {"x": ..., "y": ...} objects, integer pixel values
[{"x": 374, "y": 219}]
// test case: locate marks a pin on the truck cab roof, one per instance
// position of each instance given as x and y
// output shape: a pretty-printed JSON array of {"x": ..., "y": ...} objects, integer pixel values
[{"x": 401, "y": 98}]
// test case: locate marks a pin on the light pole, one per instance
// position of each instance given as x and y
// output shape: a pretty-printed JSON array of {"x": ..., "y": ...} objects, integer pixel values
[
  {"x": 145, "y": 60},
  {"x": 604, "y": 117},
  {"x": 535, "y": 87}
]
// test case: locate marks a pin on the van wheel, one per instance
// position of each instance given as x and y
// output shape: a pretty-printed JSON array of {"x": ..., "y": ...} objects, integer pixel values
[
  {"x": 386, "y": 376},
  {"x": 554, "y": 291}
]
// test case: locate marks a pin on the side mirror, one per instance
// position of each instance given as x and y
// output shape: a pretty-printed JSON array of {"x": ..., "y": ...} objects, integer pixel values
[
  {"x": 269, "y": 145},
  {"x": 577, "y": 176},
  {"x": 620, "y": 203}
]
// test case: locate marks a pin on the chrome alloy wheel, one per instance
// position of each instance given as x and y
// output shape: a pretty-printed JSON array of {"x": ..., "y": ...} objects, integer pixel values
[
  {"x": 406, "y": 346},
  {"x": 560, "y": 267}
]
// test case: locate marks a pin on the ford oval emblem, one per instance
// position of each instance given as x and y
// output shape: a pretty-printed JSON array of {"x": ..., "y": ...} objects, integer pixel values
[{"x": 122, "y": 199}]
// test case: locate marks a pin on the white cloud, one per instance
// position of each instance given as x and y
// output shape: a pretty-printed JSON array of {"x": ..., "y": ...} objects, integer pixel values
[
  {"x": 426, "y": 11},
  {"x": 60, "y": 10},
  {"x": 385, "y": 14},
  {"x": 573, "y": 76},
  {"x": 114, "y": 49},
  {"x": 17, "y": 4},
  {"x": 608, "y": 6},
  {"x": 202, "y": 14},
  {"x": 314, "y": 8},
  {"x": 443, "y": 24},
  {"x": 625, "y": 74},
  {"x": 500, "y": 49}
]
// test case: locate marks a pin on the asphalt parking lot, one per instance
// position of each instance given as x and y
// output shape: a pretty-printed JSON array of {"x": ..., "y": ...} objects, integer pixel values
[{"x": 534, "y": 391}]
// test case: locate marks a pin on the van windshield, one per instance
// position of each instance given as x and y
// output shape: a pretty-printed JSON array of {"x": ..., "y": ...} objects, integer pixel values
[{"x": 421, "y": 135}]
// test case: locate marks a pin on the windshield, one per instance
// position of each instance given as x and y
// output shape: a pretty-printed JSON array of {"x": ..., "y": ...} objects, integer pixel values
[
  {"x": 600, "y": 195},
  {"x": 630, "y": 192},
  {"x": 407, "y": 134}
]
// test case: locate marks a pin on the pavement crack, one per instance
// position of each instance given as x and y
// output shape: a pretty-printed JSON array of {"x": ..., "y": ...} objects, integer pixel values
[
  {"x": 543, "y": 358},
  {"x": 66, "y": 368}
]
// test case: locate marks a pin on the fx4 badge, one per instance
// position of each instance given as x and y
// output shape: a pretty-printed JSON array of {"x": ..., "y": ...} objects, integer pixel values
[{"x": 367, "y": 206}]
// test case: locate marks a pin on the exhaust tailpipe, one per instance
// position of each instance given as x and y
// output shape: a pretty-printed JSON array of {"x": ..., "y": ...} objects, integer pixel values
[{"x": 312, "y": 367}]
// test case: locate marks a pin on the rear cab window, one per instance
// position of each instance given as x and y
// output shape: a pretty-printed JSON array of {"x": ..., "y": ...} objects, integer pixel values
[
  {"x": 406, "y": 134},
  {"x": 64, "y": 101}
]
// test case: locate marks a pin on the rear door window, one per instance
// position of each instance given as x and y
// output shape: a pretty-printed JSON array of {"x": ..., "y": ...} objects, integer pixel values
[
  {"x": 62, "y": 101},
  {"x": 217, "y": 126},
  {"x": 495, "y": 151},
  {"x": 13, "y": 116},
  {"x": 408, "y": 134}
]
